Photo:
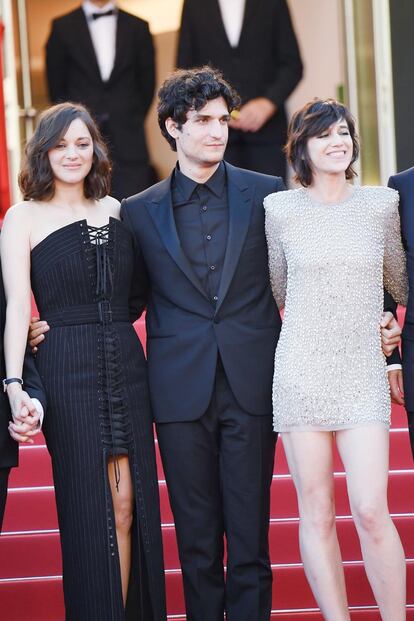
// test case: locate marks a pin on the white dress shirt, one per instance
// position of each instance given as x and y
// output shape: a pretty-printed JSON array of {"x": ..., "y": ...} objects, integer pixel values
[
  {"x": 232, "y": 14},
  {"x": 103, "y": 35}
]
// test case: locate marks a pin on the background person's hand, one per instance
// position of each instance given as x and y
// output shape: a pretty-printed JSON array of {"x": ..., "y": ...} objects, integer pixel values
[{"x": 253, "y": 115}]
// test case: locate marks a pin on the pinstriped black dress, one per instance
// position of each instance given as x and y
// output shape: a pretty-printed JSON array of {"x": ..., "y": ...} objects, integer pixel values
[{"x": 94, "y": 372}]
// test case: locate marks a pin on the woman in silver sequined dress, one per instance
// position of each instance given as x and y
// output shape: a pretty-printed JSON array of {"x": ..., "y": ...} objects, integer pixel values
[{"x": 332, "y": 248}]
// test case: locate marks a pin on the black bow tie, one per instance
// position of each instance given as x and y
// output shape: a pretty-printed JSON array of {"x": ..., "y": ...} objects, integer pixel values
[{"x": 106, "y": 14}]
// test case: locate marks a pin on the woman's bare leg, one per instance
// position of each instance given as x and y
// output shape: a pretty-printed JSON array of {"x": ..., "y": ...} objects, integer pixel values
[
  {"x": 123, "y": 501},
  {"x": 365, "y": 454},
  {"x": 309, "y": 455}
]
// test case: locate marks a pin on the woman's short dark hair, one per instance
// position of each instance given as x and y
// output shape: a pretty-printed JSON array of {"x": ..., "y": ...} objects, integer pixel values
[
  {"x": 313, "y": 119},
  {"x": 36, "y": 179},
  {"x": 191, "y": 89}
]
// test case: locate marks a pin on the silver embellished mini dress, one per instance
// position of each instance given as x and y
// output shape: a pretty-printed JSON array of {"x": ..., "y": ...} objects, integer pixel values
[{"x": 328, "y": 265}]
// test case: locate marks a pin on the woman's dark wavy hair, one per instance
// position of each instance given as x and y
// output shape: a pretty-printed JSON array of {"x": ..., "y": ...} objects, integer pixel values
[
  {"x": 36, "y": 179},
  {"x": 191, "y": 89},
  {"x": 312, "y": 120}
]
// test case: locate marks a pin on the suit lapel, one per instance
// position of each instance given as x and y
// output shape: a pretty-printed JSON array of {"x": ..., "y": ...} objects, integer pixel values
[
  {"x": 121, "y": 43},
  {"x": 84, "y": 46},
  {"x": 161, "y": 211},
  {"x": 247, "y": 19},
  {"x": 217, "y": 20},
  {"x": 240, "y": 207}
]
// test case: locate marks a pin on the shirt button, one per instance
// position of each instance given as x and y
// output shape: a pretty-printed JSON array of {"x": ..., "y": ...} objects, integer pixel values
[
  {"x": 215, "y": 298},
  {"x": 208, "y": 237},
  {"x": 212, "y": 267},
  {"x": 204, "y": 208}
]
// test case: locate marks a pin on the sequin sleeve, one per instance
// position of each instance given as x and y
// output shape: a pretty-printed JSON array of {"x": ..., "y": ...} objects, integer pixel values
[
  {"x": 395, "y": 271},
  {"x": 277, "y": 259}
]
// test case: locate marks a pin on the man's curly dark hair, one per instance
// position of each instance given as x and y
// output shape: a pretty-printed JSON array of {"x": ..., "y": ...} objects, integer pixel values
[{"x": 191, "y": 89}]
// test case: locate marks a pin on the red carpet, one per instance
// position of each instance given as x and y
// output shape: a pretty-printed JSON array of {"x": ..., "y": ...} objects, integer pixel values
[{"x": 30, "y": 567}]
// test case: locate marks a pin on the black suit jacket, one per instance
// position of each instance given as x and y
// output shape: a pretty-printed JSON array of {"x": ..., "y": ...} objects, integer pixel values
[
  {"x": 122, "y": 102},
  {"x": 404, "y": 183},
  {"x": 185, "y": 330},
  {"x": 266, "y": 62},
  {"x": 32, "y": 384}
]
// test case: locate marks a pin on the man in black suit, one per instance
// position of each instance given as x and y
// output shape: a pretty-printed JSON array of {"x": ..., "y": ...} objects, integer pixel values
[
  {"x": 103, "y": 58},
  {"x": 25, "y": 426},
  {"x": 212, "y": 327},
  {"x": 254, "y": 44},
  {"x": 404, "y": 183}
]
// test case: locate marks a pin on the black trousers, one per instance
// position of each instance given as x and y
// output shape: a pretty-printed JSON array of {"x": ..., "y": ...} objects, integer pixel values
[
  {"x": 219, "y": 472},
  {"x": 264, "y": 158},
  {"x": 4, "y": 479}
]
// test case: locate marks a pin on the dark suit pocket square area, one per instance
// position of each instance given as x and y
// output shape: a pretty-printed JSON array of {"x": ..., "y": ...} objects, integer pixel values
[{"x": 408, "y": 330}]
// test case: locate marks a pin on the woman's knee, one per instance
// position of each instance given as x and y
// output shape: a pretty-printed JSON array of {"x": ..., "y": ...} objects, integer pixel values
[
  {"x": 370, "y": 517},
  {"x": 317, "y": 512},
  {"x": 123, "y": 509}
]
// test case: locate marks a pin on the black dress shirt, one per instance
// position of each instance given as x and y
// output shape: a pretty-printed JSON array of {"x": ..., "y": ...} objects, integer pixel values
[{"x": 201, "y": 218}]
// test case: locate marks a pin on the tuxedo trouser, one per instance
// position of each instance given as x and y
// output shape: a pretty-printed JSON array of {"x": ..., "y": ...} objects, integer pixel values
[
  {"x": 264, "y": 158},
  {"x": 219, "y": 471},
  {"x": 410, "y": 416},
  {"x": 4, "y": 479}
]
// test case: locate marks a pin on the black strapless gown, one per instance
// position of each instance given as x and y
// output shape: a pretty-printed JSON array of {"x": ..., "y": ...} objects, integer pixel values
[{"x": 94, "y": 373}]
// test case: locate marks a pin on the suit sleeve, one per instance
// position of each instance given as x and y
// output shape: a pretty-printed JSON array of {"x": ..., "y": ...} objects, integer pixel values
[
  {"x": 185, "y": 52},
  {"x": 138, "y": 295},
  {"x": 389, "y": 303},
  {"x": 146, "y": 67},
  {"x": 56, "y": 66},
  {"x": 288, "y": 68}
]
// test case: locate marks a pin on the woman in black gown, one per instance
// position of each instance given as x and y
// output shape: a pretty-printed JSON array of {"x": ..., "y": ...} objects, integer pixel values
[{"x": 65, "y": 242}]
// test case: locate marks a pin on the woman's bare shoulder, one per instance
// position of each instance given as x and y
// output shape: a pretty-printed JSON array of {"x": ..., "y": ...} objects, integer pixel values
[
  {"x": 111, "y": 205},
  {"x": 21, "y": 212}
]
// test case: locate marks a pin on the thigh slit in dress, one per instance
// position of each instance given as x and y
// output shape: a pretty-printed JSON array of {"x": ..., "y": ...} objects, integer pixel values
[{"x": 94, "y": 372}]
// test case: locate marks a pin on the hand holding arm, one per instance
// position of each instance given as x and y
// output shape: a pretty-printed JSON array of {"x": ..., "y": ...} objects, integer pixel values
[
  {"x": 390, "y": 333},
  {"x": 37, "y": 331}
]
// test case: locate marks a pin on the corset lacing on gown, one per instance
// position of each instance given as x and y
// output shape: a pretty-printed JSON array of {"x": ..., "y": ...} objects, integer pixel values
[{"x": 114, "y": 424}]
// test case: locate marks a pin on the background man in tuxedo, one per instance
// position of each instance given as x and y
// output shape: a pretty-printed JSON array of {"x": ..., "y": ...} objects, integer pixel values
[
  {"x": 103, "y": 58},
  {"x": 404, "y": 183},
  {"x": 253, "y": 43},
  {"x": 30, "y": 411}
]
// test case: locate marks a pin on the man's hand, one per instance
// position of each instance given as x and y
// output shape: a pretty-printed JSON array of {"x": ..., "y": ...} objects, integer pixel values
[
  {"x": 253, "y": 115},
  {"x": 37, "y": 331},
  {"x": 390, "y": 333},
  {"x": 395, "y": 380},
  {"x": 26, "y": 418}
]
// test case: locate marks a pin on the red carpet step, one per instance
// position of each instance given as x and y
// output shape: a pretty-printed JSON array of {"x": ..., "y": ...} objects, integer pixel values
[{"x": 30, "y": 565}]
